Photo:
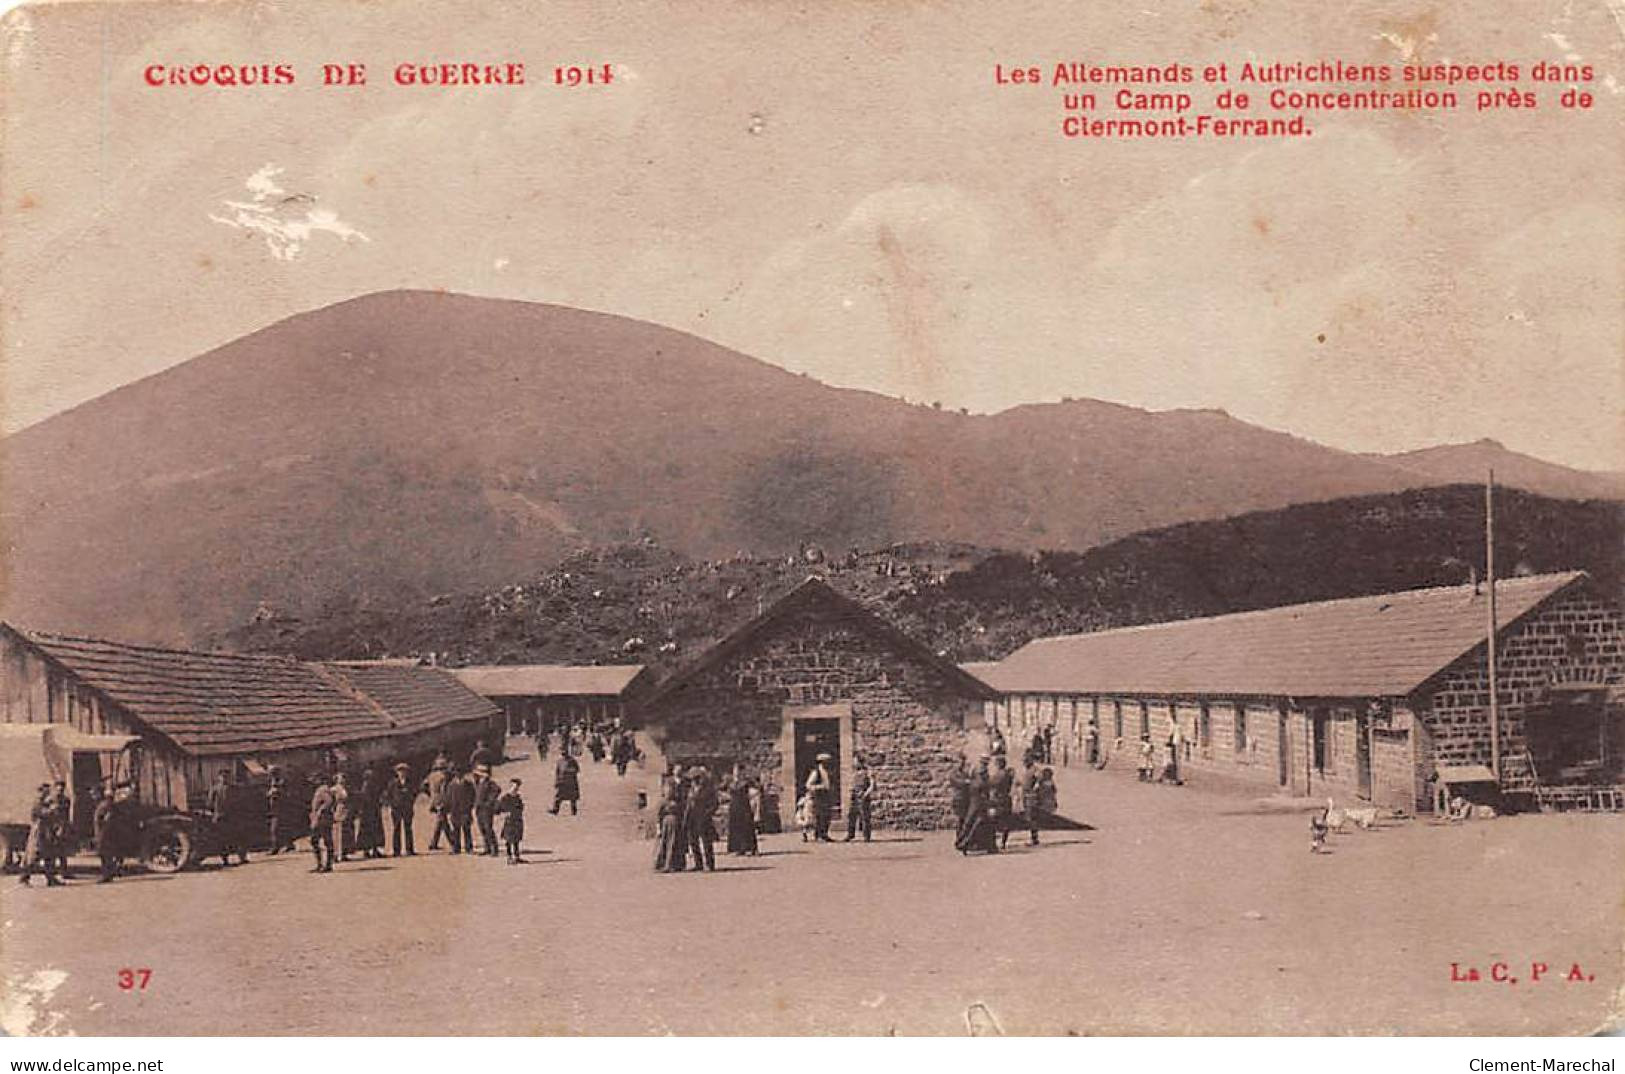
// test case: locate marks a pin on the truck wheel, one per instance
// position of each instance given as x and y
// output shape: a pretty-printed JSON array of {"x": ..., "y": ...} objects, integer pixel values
[{"x": 168, "y": 850}]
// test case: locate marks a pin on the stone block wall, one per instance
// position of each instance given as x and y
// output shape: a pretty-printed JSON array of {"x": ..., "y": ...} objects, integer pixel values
[
  {"x": 1579, "y": 639},
  {"x": 906, "y": 719}
]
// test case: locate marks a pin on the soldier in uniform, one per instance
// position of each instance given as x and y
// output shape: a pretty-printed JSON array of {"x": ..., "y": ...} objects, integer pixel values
[{"x": 322, "y": 809}]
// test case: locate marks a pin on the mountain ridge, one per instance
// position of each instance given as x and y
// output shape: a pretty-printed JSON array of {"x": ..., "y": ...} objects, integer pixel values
[{"x": 400, "y": 444}]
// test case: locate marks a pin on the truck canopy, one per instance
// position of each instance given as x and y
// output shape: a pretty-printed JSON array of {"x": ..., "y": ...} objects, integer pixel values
[{"x": 35, "y": 753}]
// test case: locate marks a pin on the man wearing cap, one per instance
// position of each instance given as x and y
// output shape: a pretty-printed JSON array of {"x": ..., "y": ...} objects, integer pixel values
[
  {"x": 820, "y": 788},
  {"x": 486, "y": 794},
  {"x": 401, "y": 796},
  {"x": 322, "y": 807},
  {"x": 61, "y": 826}
]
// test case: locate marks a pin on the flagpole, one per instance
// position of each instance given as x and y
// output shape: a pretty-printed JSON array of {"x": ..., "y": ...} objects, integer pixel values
[{"x": 1489, "y": 573}]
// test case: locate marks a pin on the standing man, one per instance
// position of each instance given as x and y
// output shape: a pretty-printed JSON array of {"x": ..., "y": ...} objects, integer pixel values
[
  {"x": 458, "y": 809},
  {"x": 566, "y": 782},
  {"x": 481, "y": 756},
  {"x": 222, "y": 806},
  {"x": 512, "y": 807},
  {"x": 108, "y": 825},
  {"x": 323, "y": 811},
  {"x": 960, "y": 782},
  {"x": 859, "y": 810},
  {"x": 343, "y": 816},
  {"x": 275, "y": 791},
  {"x": 401, "y": 796},
  {"x": 1001, "y": 795},
  {"x": 41, "y": 848},
  {"x": 486, "y": 794},
  {"x": 700, "y": 820},
  {"x": 61, "y": 826},
  {"x": 820, "y": 791},
  {"x": 434, "y": 785}
]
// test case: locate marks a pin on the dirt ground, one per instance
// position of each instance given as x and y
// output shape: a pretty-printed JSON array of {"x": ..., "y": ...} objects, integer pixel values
[{"x": 1183, "y": 910}]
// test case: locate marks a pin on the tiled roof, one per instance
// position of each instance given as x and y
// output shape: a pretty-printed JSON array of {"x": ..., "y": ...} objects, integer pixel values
[
  {"x": 548, "y": 680},
  {"x": 414, "y": 697},
  {"x": 1379, "y": 646},
  {"x": 212, "y": 703},
  {"x": 232, "y": 703}
]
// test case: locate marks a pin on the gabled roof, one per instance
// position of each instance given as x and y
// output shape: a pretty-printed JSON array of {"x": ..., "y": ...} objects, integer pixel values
[
  {"x": 213, "y": 703},
  {"x": 815, "y": 596},
  {"x": 549, "y": 680},
  {"x": 234, "y": 703},
  {"x": 1386, "y": 645},
  {"x": 414, "y": 697}
]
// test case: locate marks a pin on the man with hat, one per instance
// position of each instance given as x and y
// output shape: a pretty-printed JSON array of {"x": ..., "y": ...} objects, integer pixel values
[
  {"x": 322, "y": 809},
  {"x": 486, "y": 794},
  {"x": 41, "y": 849},
  {"x": 821, "y": 789},
  {"x": 62, "y": 826},
  {"x": 108, "y": 822},
  {"x": 401, "y": 796},
  {"x": 566, "y": 782},
  {"x": 700, "y": 820},
  {"x": 434, "y": 785},
  {"x": 859, "y": 809}
]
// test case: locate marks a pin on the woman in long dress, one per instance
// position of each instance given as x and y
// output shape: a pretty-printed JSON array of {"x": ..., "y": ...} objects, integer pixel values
[
  {"x": 979, "y": 831},
  {"x": 372, "y": 815},
  {"x": 671, "y": 856},
  {"x": 741, "y": 819}
]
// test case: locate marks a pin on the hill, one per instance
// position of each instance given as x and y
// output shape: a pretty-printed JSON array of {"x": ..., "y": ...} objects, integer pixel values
[
  {"x": 407, "y": 444},
  {"x": 649, "y": 604}
]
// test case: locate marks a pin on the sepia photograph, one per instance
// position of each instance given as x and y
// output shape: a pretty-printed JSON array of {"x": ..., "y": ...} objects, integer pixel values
[{"x": 1053, "y": 519}]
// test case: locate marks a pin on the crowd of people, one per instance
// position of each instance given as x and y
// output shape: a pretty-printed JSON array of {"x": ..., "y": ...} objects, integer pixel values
[
  {"x": 346, "y": 814},
  {"x": 990, "y": 800}
]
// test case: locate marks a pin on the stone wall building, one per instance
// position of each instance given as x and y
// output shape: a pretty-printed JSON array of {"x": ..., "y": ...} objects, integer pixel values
[
  {"x": 814, "y": 673},
  {"x": 1366, "y": 698}
]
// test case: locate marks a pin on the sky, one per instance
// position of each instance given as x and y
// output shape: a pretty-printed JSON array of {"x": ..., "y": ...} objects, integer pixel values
[{"x": 842, "y": 189}]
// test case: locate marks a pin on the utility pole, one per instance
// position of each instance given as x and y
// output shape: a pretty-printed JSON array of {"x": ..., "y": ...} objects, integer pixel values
[{"x": 1489, "y": 574}]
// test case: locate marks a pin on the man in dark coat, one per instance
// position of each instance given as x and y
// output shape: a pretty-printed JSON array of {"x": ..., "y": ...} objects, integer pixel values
[
  {"x": 401, "y": 796},
  {"x": 61, "y": 826},
  {"x": 700, "y": 820},
  {"x": 1001, "y": 790},
  {"x": 960, "y": 781},
  {"x": 108, "y": 825},
  {"x": 222, "y": 806},
  {"x": 276, "y": 790},
  {"x": 566, "y": 783},
  {"x": 486, "y": 794},
  {"x": 482, "y": 755},
  {"x": 458, "y": 808}
]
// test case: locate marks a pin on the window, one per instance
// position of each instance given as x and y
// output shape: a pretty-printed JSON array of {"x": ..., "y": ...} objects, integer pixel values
[
  {"x": 1117, "y": 719},
  {"x": 1204, "y": 726},
  {"x": 1241, "y": 727},
  {"x": 1145, "y": 720}
]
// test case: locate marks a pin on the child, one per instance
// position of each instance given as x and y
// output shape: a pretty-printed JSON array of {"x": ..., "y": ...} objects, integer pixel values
[
  {"x": 1148, "y": 761},
  {"x": 512, "y": 808},
  {"x": 804, "y": 816}
]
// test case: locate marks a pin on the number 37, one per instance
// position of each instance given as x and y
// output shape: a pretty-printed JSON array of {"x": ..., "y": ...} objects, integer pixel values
[{"x": 134, "y": 980}]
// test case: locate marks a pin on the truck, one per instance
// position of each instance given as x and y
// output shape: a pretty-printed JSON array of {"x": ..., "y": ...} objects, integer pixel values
[{"x": 165, "y": 840}]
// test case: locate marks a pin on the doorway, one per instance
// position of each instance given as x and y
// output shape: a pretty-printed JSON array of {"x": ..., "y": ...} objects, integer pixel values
[
  {"x": 815, "y": 735},
  {"x": 1318, "y": 751}
]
